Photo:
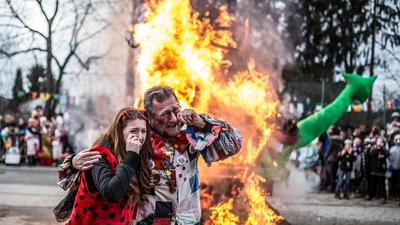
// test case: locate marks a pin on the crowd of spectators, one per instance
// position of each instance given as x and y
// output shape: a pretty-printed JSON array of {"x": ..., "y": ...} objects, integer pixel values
[
  {"x": 361, "y": 162},
  {"x": 33, "y": 139}
]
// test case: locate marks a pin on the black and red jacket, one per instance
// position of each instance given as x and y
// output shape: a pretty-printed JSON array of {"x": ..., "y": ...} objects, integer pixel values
[{"x": 101, "y": 193}]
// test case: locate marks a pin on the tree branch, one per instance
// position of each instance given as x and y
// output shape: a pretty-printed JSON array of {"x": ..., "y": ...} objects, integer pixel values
[
  {"x": 395, "y": 78},
  {"x": 15, "y": 14},
  {"x": 89, "y": 60},
  {"x": 42, "y": 10},
  {"x": 57, "y": 61},
  {"x": 55, "y": 11},
  {"x": 82, "y": 22},
  {"x": 393, "y": 54},
  {"x": 74, "y": 26},
  {"x": 11, "y": 54},
  {"x": 11, "y": 25}
]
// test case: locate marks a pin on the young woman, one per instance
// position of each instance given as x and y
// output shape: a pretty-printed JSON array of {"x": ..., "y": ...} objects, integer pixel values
[{"x": 110, "y": 190}]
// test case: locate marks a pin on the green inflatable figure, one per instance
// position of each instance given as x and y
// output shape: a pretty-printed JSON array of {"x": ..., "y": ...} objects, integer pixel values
[{"x": 358, "y": 88}]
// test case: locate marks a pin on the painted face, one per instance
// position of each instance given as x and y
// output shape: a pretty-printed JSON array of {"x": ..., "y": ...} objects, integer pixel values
[
  {"x": 165, "y": 120},
  {"x": 137, "y": 127}
]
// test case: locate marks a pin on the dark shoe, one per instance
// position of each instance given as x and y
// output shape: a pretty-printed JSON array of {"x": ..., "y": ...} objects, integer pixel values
[
  {"x": 384, "y": 201},
  {"x": 337, "y": 196},
  {"x": 346, "y": 196}
]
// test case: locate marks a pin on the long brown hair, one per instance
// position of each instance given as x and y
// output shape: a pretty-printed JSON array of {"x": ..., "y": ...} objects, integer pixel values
[{"x": 113, "y": 138}]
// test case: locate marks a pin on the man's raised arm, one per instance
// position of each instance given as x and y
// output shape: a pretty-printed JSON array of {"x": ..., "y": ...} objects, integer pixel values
[{"x": 216, "y": 141}]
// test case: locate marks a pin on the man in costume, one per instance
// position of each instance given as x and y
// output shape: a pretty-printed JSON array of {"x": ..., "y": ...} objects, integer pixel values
[{"x": 178, "y": 138}]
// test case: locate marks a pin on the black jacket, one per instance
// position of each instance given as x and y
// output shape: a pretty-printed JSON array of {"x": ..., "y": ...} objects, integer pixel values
[
  {"x": 346, "y": 161},
  {"x": 377, "y": 161},
  {"x": 112, "y": 186},
  {"x": 335, "y": 145}
]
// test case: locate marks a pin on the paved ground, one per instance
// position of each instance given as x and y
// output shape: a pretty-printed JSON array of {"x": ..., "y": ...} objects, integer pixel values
[
  {"x": 322, "y": 208},
  {"x": 28, "y": 195}
]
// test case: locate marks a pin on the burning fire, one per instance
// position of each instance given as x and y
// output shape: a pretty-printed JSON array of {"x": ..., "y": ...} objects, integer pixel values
[
  {"x": 259, "y": 212},
  {"x": 221, "y": 214},
  {"x": 179, "y": 49}
]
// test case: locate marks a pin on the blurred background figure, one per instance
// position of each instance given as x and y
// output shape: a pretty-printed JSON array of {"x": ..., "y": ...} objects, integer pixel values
[
  {"x": 346, "y": 159},
  {"x": 395, "y": 164},
  {"x": 378, "y": 166},
  {"x": 32, "y": 138}
]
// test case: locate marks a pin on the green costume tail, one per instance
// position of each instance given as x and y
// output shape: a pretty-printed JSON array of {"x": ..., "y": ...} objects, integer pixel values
[{"x": 357, "y": 88}]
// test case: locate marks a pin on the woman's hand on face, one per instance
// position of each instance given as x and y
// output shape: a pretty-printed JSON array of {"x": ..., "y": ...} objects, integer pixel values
[{"x": 133, "y": 144}]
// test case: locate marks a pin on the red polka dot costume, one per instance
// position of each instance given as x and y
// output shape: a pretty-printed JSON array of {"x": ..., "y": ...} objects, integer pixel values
[{"x": 93, "y": 208}]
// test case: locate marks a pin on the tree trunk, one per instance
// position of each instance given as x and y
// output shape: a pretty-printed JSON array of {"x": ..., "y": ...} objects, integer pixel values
[
  {"x": 49, "y": 109},
  {"x": 130, "y": 72},
  {"x": 371, "y": 68}
]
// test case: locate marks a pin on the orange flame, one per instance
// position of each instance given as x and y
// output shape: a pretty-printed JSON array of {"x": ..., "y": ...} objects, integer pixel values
[
  {"x": 259, "y": 212},
  {"x": 181, "y": 51},
  {"x": 186, "y": 53},
  {"x": 221, "y": 214}
]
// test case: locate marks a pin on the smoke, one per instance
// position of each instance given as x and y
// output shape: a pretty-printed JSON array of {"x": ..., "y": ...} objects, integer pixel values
[
  {"x": 258, "y": 33},
  {"x": 298, "y": 184},
  {"x": 102, "y": 90},
  {"x": 261, "y": 37}
]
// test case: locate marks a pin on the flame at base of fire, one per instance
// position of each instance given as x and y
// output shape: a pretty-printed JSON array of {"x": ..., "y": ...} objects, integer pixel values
[
  {"x": 260, "y": 213},
  {"x": 257, "y": 208},
  {"x": 221, "y": 214}
]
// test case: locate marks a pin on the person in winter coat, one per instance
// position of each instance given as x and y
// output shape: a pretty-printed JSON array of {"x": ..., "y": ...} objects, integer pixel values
[
  {"x": 346, "y": 159},
  {"x": 377, "y": 166},
  {"x": 331, "y": 157},
  {"x": 395, "y": 162}
]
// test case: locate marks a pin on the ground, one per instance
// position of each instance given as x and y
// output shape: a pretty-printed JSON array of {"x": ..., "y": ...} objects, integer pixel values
[
  {"x": 28, "y": 195},
  {"x": 322, "y": 208}
]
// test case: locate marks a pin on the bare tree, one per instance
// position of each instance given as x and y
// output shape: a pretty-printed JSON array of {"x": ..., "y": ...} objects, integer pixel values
[
  {"x": 393, "y": 72},
  {"x": 60, "y": 42}
]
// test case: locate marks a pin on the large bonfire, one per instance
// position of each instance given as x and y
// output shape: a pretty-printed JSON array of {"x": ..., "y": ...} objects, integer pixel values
[{"x": 179, "y": 49}]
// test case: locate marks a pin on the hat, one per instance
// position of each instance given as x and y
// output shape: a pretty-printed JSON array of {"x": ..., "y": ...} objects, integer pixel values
[{"x": 395, "y": 114}]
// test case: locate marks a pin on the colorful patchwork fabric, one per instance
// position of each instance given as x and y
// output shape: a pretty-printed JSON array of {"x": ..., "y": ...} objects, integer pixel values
[
  {"x": 67, "y": 176},
  {"x": 200, "y": 140},
  {"x": 176, "y": 161}
]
